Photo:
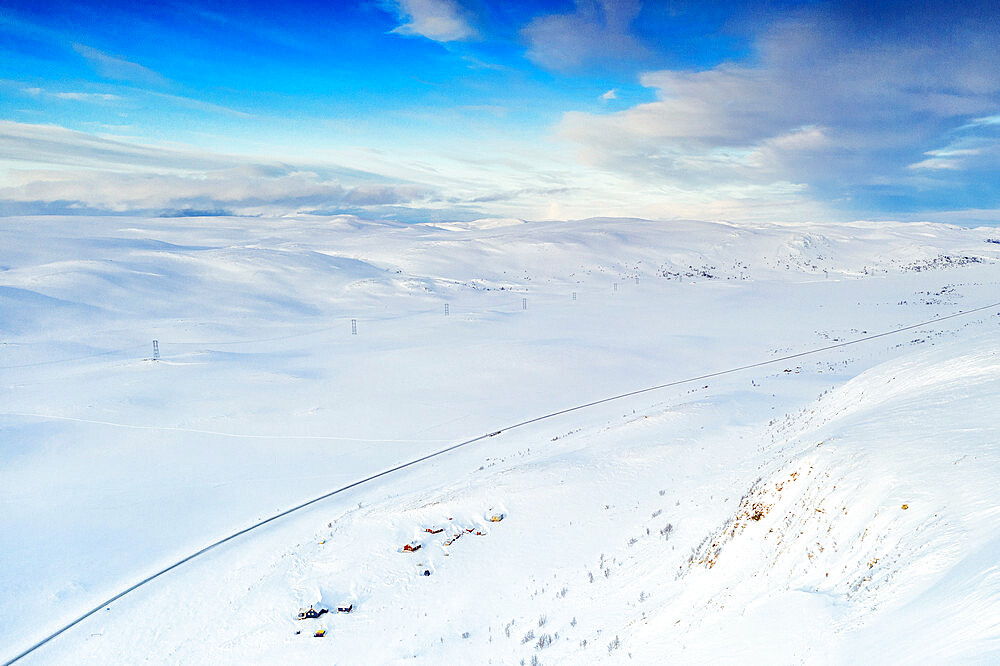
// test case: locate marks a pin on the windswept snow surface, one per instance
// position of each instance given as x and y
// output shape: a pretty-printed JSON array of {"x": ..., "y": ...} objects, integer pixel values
[{"x": 838, "y": 508}]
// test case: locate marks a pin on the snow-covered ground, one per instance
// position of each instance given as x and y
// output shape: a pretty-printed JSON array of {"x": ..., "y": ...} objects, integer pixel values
[{"x": 838, "y": 508}]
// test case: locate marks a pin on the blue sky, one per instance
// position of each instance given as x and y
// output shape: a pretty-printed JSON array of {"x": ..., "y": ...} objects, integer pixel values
[{"x": 459, "y": 109}]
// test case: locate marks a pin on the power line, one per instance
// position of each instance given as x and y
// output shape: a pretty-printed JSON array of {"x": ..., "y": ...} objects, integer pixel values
[
  {"x": 753, "y": 365},
  {"x": 480, "y": 438},
  {"x": 74, "y": 358}
]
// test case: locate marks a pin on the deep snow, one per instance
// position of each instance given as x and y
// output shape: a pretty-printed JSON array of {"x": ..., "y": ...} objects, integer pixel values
[{"x": 753, "y": 517}]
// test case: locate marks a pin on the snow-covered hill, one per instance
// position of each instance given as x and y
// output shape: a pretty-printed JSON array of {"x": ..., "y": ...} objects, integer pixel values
[
  {"x": 871, "y": 534},
  {"x": 756, "y": 516}
]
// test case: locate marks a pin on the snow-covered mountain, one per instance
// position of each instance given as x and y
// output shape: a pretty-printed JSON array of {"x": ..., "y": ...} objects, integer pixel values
[{"x": 837, "y": 507}]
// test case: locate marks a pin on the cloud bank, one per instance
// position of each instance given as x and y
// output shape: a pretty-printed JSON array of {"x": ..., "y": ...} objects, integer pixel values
[
  {"x": 829, "y": 110},
  {"x": 67, "y": 171},
  {"x": 846, "y": 107}
]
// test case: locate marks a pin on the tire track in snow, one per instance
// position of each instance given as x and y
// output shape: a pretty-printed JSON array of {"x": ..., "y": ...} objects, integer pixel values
[{"x": 480, "y": 438}]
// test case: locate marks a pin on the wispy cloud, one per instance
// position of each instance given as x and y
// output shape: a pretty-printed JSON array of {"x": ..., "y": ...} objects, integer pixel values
[
  {"x": 118, "y": 69},
  {"x": 126, "y": 92},
  {"x": 196, "y": 104},
  {"x": 945, "y": 159},
  {"x": 974, "y": 147},
  {"x": 438, "y": 20},
  {"x": 596, "y": 30},
  {"x": 979, "y": 123},
  {"x": 73, "y": 96},
  {"x": 58, "y": 146}
]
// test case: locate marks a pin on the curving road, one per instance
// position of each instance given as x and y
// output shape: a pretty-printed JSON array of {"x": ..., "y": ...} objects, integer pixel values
[{"x": 467, "y": 442}]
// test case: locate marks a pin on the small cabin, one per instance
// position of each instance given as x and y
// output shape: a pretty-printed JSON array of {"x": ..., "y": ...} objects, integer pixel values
[
  {"x": 310, "y": 613},
  {"x": 345, "y": 609},
  {"x": 411, "y": 547}
]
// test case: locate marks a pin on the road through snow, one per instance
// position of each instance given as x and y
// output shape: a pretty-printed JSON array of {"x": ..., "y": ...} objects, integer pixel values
[{"x": 148, "y": 579}]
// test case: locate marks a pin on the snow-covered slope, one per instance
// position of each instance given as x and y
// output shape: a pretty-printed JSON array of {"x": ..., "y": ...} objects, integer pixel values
[
  {"x": 696, "y": 523},
  {"x": 871, "y": 534}
]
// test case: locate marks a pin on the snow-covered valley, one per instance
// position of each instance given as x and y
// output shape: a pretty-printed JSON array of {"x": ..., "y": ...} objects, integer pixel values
[{"x": 840, "y": 507}]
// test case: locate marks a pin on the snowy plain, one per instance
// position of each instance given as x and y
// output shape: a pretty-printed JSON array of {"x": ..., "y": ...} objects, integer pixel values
[{"x": 840, "y": 507}]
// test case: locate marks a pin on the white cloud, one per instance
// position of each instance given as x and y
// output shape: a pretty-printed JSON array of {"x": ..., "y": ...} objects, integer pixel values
[
  {"x": 48, "y": 169},
  {"x": 86, "y": 97},
  {"x": 819, "y": 107},
  {"x": 987, "y": 121},
  {"x": 82, "y": 171},
  {"x": 596, "y": 30},
  {"x": 243, "y": 190},
  {"x": 611, "y": 94},
  {"x": 937, "y": 164},
  {"x": 438, "y": 20},
  {"x": 946, "y": 159}
]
